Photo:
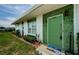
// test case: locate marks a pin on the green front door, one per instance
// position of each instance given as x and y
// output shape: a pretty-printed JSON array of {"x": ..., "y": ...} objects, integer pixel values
[{"x": 54, "y": 31}]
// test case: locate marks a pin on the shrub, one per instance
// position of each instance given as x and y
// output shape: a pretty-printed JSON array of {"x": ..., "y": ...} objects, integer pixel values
[
  {"x": 30, "y": 38},
  {"x": 18, "y": 33}
]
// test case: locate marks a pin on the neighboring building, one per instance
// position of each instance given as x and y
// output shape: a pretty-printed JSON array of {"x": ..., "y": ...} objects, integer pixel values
[{"x": 56, "y": 25}]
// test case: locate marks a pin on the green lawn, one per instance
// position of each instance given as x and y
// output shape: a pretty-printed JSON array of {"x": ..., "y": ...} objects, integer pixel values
[{"x": 10, "y": 45}]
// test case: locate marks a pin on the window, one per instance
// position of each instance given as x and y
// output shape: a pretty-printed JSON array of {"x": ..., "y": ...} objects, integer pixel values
[{"x": 32, "y": 27}]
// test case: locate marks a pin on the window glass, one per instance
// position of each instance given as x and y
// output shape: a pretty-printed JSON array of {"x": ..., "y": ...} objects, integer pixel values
[{"x": 32, "y": 27}]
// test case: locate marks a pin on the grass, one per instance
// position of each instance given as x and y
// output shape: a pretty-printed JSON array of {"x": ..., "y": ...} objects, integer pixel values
[{"x": 10, "y": 45}]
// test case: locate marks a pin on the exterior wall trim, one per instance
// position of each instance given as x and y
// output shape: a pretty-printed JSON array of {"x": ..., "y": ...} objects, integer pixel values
[
  {"x": 39, "y": 27},
  {"x": 75, "y": 36}
]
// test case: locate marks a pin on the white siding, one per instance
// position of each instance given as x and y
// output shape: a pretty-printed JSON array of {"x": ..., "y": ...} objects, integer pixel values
[
  {"x": 77, "y": 18},
  {"x": 16, "y": 27},
  {"x": 39, "y": 27},
  {"x": 19, "y": 27},
  {"x": 76, "y": 25},
  {"x": 25, "y": 28}
]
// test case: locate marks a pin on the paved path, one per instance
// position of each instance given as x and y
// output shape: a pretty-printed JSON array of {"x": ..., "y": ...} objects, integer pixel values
[{"x": 44, "y": 51}]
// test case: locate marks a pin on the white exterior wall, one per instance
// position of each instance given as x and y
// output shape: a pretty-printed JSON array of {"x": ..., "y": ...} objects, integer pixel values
[
  {"x": 25, "y": 28},
  {"x": 39, "y": 27},
  {"x": 77, "y": 17},
  {"x": 16, "y": 27},
  {"x": 76, "y": 25},
  {"x": 19, "y": 27}
]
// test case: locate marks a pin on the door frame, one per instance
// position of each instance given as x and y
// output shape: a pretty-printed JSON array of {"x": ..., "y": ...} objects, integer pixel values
[{"x": 62, "y": 30}]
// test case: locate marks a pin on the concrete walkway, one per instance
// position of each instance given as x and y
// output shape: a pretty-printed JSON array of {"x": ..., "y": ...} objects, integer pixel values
[{"x": 43, "y": 50}]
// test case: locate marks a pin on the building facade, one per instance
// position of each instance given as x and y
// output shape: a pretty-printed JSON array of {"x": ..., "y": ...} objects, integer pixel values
[{"x": 55, "y": 25}]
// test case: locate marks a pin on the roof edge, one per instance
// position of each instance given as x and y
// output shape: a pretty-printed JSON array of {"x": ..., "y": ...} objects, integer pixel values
[{"x": 26, "y": 13}]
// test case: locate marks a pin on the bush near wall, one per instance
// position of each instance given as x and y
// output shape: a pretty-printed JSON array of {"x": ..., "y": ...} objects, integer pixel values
[
  {"x": 30, "y": 38},
  {"x": 17, "y": 32}
]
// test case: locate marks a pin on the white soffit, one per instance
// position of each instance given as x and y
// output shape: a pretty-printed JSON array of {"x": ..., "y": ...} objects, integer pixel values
[{"x": 40, "y": 9}]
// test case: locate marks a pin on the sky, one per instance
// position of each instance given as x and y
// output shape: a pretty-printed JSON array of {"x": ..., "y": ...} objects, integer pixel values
[{"x": 9, "y": 13}]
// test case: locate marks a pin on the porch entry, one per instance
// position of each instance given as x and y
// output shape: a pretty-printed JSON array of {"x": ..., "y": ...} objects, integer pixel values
[{"x": 55, "y": 31}]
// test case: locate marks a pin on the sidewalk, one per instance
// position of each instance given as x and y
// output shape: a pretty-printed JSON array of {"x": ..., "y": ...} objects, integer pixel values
[{"x": 43, "y": 50}]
